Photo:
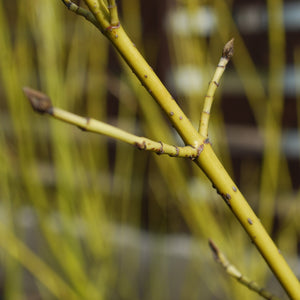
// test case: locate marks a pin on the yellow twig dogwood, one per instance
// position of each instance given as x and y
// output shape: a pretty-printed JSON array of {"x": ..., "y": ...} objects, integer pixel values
[{"x": 105, "y": 18}]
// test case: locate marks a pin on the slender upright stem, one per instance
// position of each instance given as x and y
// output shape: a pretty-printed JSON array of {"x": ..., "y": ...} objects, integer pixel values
[
  {"x": 208, "y": 101},
  {"x": 114, "y": 18},
  {"x": 101, "y": 13}
]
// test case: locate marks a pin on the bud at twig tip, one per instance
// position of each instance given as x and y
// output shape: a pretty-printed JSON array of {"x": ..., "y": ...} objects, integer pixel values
[
  {"x": 39, "y": 101},
  {"x": 214, "y": 249},
  {"x": 228, "y": 49}
]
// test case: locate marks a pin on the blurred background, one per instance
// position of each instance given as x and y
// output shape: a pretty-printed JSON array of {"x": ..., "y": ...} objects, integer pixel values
[{"x": 86, "y": 217}]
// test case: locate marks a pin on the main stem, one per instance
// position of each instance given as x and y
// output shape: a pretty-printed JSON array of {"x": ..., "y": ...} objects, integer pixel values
[{"x": 207, "y": 161}]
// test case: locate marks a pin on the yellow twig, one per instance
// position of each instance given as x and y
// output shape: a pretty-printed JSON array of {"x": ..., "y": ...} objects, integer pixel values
[
  {"x": 226, "y": 56},
  {"x": 114, "y": 18},
  {"x": 42, "y": 104},
  {"x": 82, "y": 12},
  {"x": 232, "y": 271},
  {"x": 101, "y": 13}
]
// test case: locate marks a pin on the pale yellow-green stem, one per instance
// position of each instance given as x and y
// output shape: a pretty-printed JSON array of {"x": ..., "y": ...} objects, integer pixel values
[
  {"x": 272, "y": 163},
  {"x": 114, "y": 18},
  {"x": 101, "y": 13},
  {"x": 42, "y": 104},
  {"x": 82, "y": 12},
  {"x": 27, "y": 258},
  {"x": 207, "y": 160},
  {"x": 208, "y": 101},
  {"x": 232, "y": 271}
]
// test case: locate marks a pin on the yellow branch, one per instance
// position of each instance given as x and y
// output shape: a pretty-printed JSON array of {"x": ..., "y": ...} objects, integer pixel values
[
  {"x": 226, "y": 55},
  {"x": 114, "y": 18},
  {"x": 100, "y": 11},
  {"x": 82, "y": 12},
  {"x": 42, "y": 104},
  {"x": 232, "y": 271}
]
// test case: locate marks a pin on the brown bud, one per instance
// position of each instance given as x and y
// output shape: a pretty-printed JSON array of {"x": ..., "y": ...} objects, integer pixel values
[
  {"x": 39, "y": 101},
  {"x": 228, "y": 50},
  {"x": 214, "y": 249}
]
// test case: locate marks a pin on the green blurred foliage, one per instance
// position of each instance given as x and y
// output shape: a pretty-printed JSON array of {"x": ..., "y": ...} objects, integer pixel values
[{"x": 85, "y": 217}]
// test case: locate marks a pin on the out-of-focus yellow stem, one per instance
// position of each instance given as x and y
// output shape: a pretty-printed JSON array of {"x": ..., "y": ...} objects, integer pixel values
[
  {"x": 271, "y": 166},
  {"x": 232, "y": 271},
  {"x": 19, "y": 251},
  {"x": 82, "y": 12}
]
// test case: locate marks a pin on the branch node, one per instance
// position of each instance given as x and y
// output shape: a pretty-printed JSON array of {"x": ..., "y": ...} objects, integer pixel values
[
  {"x": 206, "y": 141},
  {"x": 112, "y": 27},
  {"x": 141, "y": 146},
  {"x": 177, "y": 152},
  {"x": 199, "y": 150},
  {"x": 161, "y": 150}
]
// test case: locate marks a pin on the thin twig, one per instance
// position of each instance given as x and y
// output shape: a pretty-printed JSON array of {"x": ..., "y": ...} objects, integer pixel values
[
  {"x": 41, "y": 103},
  {"x": 114, "y": 18},
  {"x": 100, "y": 12},
  {"x": 226, "y": 56},
  {"x": 82, "y": 12},
  {"x": 232, "y": 271}
]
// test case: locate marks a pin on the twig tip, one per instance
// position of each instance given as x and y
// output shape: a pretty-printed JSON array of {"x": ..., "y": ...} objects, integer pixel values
[
  {"x": 214, "y": 249},
  {"x": 39, "y": 101},
  {"x": 228, "y": 49}
]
